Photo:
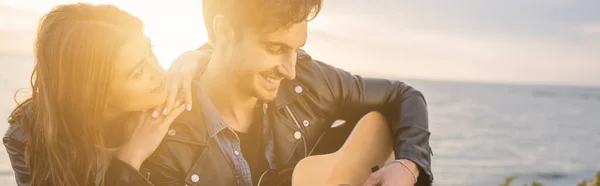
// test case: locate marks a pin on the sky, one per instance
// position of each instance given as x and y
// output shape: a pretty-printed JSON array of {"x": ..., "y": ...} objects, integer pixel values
[{"x": 515, "y": 41}]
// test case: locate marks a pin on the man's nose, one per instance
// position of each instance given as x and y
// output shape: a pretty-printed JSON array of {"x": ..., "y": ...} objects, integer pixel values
[{"x": 288, "y": 67}]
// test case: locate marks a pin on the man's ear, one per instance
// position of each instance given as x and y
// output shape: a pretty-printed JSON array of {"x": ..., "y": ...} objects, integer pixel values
[{"x": 224, "y": 32}]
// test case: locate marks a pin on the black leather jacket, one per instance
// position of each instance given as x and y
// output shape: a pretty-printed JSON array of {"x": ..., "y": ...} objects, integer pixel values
[
  {"x": 119, "y": 173},
  {"x": 309, "y": 104}
]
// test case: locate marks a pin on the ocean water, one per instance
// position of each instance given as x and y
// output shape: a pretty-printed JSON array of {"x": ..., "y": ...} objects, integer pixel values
[{"x": 481, "y": 133}]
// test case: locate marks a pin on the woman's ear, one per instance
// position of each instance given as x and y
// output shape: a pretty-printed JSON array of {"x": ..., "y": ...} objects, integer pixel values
[{"x": 224, "y": 32}]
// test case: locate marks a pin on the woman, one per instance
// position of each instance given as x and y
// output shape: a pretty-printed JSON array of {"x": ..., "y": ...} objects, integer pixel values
[{"x": 94, "y": 70}]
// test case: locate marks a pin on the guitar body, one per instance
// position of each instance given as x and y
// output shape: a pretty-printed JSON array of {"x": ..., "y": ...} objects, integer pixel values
[{"x": 368, "y": 148}]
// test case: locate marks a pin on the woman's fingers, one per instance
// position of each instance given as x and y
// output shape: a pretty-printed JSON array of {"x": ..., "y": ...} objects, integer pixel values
[
  {"x": 178, "y": 102},
  {"x": 174, "y": 114},
  {"x": 166, "y": 122},
  {"x": 172, "y": 94},
  {"x": 156, "y": 111},
  {"x": 143, "y": 116},
  {"x": 180, "y": 76},
  {"x": 187, "y": 91}
]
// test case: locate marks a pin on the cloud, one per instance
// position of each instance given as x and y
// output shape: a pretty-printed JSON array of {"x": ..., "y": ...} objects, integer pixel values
[
  {"x": 590, "y": 29},
  {"x": 18, "y": 19},
  {"x": 17, "y": 30},
  {"x": 375, "y": 44}
]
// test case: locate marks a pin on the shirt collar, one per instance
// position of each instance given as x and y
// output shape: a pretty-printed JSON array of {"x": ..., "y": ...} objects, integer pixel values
[{"x": 212, "y": 118}]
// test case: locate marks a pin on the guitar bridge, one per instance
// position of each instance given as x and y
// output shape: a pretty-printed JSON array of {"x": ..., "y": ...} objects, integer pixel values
[{"x": 375, "y": 168}]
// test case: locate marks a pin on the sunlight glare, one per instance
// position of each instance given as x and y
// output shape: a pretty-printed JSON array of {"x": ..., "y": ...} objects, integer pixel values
[{"x": 173, "y": 26}]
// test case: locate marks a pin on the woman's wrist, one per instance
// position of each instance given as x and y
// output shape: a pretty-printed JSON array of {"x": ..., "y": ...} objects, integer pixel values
[
  {"x": 131, "y": 159},
  {"x": 203, "y": 58}
]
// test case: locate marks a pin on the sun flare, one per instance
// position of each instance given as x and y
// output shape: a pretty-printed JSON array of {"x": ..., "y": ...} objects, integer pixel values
[{"x": 173, "y": 26}]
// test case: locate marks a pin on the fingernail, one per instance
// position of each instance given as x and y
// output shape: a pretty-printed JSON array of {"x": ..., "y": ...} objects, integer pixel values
[
  {"x": 164, "y": 112},
  {"x": 155, "y": 114},
  {"x": 189, "y": 107}
]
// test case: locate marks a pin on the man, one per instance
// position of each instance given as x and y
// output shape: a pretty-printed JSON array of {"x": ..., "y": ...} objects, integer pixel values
[{"x": 263, "y": 103}]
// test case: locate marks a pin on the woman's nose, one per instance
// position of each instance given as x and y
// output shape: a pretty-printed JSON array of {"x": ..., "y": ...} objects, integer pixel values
[{"x": 157, "y": 71}]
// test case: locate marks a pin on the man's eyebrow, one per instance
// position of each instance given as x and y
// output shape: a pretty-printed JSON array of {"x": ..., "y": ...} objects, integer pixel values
[{"x": 278, "y": 43}]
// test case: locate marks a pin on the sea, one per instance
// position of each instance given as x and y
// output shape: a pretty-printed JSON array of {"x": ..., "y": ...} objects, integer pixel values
[{"x": 481, "y": 133}]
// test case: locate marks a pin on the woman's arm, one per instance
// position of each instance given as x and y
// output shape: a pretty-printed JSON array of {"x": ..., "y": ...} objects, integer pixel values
[
  {"x": 15, "y": 147},
  {"x": 185, "y": 69}
]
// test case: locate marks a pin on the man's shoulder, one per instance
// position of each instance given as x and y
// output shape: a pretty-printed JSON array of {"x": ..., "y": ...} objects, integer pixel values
[
  {"x": 308, "y": 67},
  {"x": 190, "y": 126},
  {"x": 313, "y": 72}
]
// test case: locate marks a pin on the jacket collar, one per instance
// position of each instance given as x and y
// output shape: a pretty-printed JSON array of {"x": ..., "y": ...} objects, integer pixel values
[
  {"x": 194, "y": 121},
  {"x": 212, "y": 119},
  {"x": 289, "y": 90}
]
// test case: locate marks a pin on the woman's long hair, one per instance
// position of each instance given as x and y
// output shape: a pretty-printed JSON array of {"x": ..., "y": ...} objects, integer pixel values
[{"x": 75, "y": 49}]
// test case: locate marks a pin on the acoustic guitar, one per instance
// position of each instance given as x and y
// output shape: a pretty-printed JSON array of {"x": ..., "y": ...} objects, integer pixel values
[{"x": 367, "y": 149}]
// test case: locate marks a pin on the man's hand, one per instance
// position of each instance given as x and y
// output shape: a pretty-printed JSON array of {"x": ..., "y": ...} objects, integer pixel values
[
  {"x": 179, "y": 79},
  {"x": 394, "y": 174}
]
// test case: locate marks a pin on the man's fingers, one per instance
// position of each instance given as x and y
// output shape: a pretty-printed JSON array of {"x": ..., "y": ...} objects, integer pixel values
[
  {"x": 372, "y": 181},
  {"x": 187, "y": 90}
]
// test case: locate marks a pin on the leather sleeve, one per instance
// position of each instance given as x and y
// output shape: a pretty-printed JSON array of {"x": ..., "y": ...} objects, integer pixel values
[
  {"x": 163, "y": 165},
  {"x": 404, "y": 106},
  {"x": 120, "y": 173},
  {"x": 16, "y": 154},
  {"x": 162, "y": 173}
]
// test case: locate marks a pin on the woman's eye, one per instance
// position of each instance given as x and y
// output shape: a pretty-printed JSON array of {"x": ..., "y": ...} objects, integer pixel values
[{"x": 141, "y": 70}]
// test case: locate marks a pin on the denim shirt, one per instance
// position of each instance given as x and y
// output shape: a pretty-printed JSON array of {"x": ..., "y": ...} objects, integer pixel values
[{"x": 229, "y": 142}]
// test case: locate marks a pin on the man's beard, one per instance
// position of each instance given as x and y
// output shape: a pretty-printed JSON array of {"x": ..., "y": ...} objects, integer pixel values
[{"x": 242, "y": 78}]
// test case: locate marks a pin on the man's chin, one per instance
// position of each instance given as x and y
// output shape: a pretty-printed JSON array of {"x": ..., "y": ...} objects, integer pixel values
[
  {"x": 268, "y": 98},
  {"x": 268, "y": 95}
]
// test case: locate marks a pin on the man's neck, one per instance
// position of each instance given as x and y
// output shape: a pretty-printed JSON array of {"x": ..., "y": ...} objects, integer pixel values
[{"x": 235, "y": 107}]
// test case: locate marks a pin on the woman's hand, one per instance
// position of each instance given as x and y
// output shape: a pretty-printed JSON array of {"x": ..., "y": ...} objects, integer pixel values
[
  {"x": 145, "y": 134},
  {"x": 179, "y": 79}
]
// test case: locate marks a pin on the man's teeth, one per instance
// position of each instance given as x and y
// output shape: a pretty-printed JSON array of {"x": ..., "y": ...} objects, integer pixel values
[{"x": 270, "y": 79}]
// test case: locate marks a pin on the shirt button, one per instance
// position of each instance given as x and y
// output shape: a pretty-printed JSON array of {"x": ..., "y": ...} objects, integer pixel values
[
  {"x": 195, "y": 178},
  {"x": 237, "y": 153},
  {"x": 298, "y": 89},
  {"x": 297, "y": 135},
  {"x": 172, "y": 132},
  {"x": 305, "y": 123}
]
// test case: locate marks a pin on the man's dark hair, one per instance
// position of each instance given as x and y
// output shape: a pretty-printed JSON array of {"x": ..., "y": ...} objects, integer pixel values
[{"x": 263, "y": 15}]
